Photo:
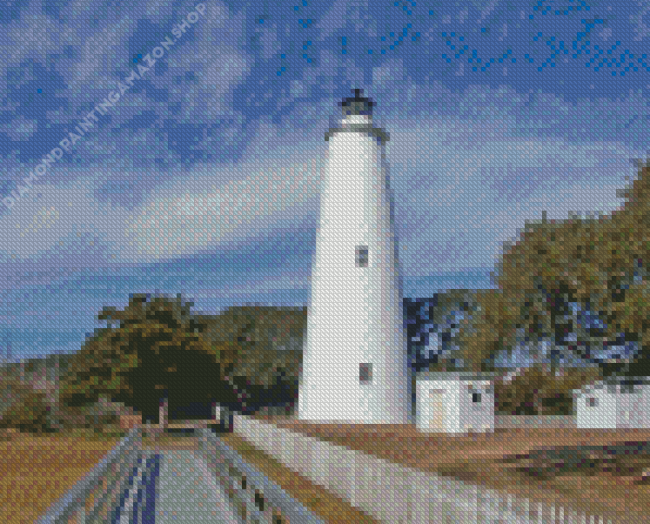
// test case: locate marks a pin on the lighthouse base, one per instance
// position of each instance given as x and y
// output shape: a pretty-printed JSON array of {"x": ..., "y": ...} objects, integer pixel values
[{"x": 326, "y": 413}]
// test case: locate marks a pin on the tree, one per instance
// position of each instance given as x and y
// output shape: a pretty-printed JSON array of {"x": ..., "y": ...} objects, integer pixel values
[
  {"x": 420, "y": 330},
  {"x": 156, "y": 349},
  {"x": 437, "y": 330},
  {"x": 26, "y": 408},
  {"x": 536, "y": 391},
  {"x": 266, "y": 366},
  {"x": 579, "y": 284},
  {"x": 487, "y": 331}
]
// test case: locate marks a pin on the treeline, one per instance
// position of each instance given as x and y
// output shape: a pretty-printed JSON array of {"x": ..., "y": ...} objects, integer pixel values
[
  {"x": 573, "y": 290},
  {"x": 572, "y": 294},
  {"x": 155, "y": 348},
  {"x": 570, "y": 291}
]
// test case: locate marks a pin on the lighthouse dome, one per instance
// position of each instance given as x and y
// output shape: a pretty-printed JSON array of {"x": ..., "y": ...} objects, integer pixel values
[
  {"x": 357, "y": 117},
  {"x": 357, "y": 105},
  {"x": 356, "y": 109}
]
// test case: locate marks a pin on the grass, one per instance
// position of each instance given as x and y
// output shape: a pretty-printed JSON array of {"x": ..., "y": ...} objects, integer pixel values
[{"x": 38, "y": 470}]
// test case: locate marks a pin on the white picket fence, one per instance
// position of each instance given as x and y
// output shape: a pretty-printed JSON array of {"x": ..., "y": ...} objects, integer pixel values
[{"x": 394, "y": 493}]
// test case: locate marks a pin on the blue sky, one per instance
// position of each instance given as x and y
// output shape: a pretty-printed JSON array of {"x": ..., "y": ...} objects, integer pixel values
[{"x": 203, "y": 178}]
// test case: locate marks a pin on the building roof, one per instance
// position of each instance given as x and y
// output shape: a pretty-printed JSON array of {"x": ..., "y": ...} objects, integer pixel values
[
  {"x": 454, "y": 375},
  {"x": 615, "y": 385}
]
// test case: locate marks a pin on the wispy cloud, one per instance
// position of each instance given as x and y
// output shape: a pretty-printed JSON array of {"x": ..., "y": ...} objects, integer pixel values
[{"x": 210, "y": 166}]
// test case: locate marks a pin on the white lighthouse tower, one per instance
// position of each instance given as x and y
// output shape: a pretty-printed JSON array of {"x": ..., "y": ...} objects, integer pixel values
[{"x": 354, "y": 366}]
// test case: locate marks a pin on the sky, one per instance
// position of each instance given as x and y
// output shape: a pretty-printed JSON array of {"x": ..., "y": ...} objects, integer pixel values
[{"x": 200, "y": 174}]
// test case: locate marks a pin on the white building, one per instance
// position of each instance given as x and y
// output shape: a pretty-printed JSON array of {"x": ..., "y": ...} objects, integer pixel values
[
  {"x": 613, "y": 404},
  {"x": 454, "y": 402},
  {"x": 354, "y": 365}
]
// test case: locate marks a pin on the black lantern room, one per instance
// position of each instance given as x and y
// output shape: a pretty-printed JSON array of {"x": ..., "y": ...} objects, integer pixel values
[{"x": 357, "y": 105}]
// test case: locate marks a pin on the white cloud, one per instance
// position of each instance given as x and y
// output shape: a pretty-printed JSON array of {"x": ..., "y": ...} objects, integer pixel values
[
  {"x": 47, "y": 218},
  {"x": 297, "y": 88},
  {"x": 101, "y": 53},
  {"x": 35, "y": 35},
  {"x": 641, "y": 28},
  {"x": 181, "y": 223},
  {"x": 215, "y": 61},
  {"x": 269, "y": 41},
  {"x": 606, "y": 33},
  {"x": 159, "y": 9},
  {"x": 333, "y": 20},
  {"x": 322, "y": 76},
  {"x": 487, "y": 10},
  {"x": 32, "y": 37},
  {"x": 390, "y": 76},
  {"x": 20, "y": 129},
  {"x": 504, "y": 32},
  {"x": 447, "y": 215},
  {"x": 210, "y": 208}
]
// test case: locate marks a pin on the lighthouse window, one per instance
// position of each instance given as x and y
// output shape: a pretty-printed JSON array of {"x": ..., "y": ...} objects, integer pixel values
[
  {"x": 365, "y": 373},
  {"x": 362, "y": 256}
]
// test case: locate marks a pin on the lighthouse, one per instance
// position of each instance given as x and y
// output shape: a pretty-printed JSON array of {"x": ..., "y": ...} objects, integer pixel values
[{"x": 354, "y": 367}]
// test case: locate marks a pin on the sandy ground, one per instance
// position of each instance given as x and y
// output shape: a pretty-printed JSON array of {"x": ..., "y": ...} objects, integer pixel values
[
  {"x": 476, "y": 459},
  {"x": 35, "y": 471}
]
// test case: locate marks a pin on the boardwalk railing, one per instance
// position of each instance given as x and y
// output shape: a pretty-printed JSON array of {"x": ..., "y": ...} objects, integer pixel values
[
  {"x": 112, "y": 473},
  {"x": 256, "y": 499}
]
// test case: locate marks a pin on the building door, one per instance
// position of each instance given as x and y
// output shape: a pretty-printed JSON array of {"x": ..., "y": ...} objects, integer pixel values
[{"x": 436, "y": 397}]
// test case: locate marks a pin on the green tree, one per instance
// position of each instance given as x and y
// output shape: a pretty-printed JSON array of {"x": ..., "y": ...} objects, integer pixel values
[
  {"x": 26, "y": 408},
  {"x": 155, "y": 349},
  {"x": 485, "y": 333},
  {"x": 589, "y": 262}
]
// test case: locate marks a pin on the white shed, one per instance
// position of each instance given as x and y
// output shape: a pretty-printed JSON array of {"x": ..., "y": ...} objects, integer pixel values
[
  {"x": 454, "y": 402},
  {"x": 616, "y": 403}
]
